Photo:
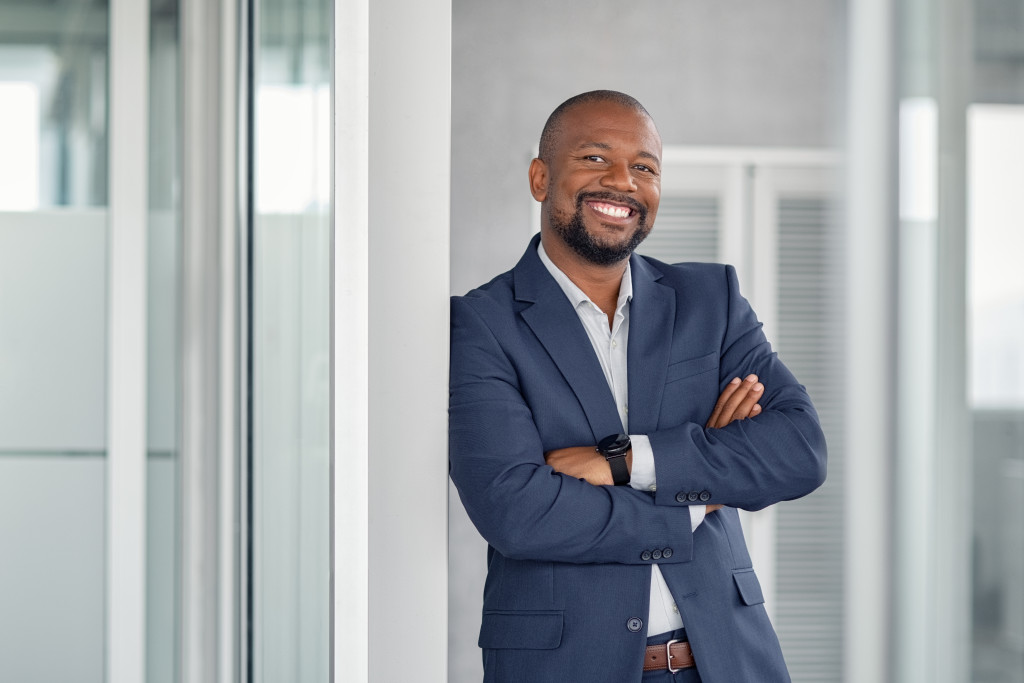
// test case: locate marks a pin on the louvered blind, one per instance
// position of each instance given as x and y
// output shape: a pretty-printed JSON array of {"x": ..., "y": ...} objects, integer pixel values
[
  {"x": 687, "y": 230},
  {"x": 809, "y": 579}
]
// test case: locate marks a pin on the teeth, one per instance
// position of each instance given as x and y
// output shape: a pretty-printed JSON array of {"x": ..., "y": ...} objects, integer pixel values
[{"x": 613, "y": 211}]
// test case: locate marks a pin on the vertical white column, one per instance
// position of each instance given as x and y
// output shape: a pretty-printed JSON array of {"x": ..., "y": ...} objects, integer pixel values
[
  {"x": 390, "y": 338},
  {"x": 410, "y": 119},
  {"x": 870, "y": 288},
  {"x": 350, "y": 352},
  {"x": 126, "y": 362}
]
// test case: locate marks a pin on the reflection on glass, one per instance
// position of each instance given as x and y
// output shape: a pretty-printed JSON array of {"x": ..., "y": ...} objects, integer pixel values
[
  {"x": 163, "y": 367},
  {"x": 53, "y": 339},
  {"x": 995, "y": 177},
  {"x": 290, "y": 329},
  {"x": 53, "y": 83}
]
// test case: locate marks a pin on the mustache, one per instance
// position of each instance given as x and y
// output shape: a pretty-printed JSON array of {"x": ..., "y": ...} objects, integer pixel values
[{"x": 611, "y": 197}]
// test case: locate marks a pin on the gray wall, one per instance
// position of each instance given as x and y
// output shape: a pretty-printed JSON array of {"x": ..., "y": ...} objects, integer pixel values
[
  {"x": 711, "y": 73},
  {"x": 744, "y": 73}
]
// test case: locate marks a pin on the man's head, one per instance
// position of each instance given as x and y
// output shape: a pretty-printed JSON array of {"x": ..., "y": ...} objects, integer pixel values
[{"x": 598, "y": 176}]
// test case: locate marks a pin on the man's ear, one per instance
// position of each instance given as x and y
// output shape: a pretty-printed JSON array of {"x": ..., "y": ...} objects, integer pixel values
[{"x": 539, "y": 180}]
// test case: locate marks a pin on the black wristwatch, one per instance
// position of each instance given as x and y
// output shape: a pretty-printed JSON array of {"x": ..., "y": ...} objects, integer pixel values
[{"x": 614, "y": 449}]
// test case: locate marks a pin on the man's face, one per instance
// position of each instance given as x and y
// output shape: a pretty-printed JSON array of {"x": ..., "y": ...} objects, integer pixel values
[{"x": 601, "y": 186}]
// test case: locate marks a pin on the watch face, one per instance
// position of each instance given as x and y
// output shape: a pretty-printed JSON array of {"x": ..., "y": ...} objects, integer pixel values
[{"x": 616, "y": 444}]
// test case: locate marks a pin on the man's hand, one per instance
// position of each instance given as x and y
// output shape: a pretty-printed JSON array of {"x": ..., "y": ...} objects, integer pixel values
[
  {"x": 739, "y": 400},
  {"x": 584, "y": 462}
]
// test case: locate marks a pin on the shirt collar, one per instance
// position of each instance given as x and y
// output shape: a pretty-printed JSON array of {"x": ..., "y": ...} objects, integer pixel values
[{"x": 574, "y": 293}]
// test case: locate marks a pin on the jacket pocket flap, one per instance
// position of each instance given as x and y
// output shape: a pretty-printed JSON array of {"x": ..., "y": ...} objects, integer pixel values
[
  {"x": 521, "y": 630},
  {"x": 691, "y": 367},
  {"x": 749, "y": 587}
]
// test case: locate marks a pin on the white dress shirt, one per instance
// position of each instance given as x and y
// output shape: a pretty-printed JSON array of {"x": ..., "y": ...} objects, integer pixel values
[{"x": 610, "y": 347}]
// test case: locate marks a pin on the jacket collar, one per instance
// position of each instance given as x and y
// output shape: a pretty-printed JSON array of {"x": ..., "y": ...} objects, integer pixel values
[{"x": 553, "y": 320}]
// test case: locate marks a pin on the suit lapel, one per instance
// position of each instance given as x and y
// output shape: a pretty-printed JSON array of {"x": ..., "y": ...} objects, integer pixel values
[
  {"x": 651, "y": 320},
  {"x": 560, "y": 332}
]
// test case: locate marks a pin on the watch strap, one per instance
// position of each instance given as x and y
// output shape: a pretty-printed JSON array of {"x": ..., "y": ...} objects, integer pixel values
[{"x": 620, "y": 473}]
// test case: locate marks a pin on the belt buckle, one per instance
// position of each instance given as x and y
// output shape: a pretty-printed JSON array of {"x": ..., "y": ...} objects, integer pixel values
[{"x": 668, "y": 655}]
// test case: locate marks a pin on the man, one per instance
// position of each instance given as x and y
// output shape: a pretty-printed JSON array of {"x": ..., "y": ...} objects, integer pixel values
[{"x": 611, "y": 557}]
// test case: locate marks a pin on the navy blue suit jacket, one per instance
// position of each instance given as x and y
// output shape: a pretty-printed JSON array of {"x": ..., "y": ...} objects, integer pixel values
[{"x": 569, "y": 572}]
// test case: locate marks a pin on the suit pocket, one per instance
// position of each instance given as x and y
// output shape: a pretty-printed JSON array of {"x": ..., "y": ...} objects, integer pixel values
[
  {"x": 521, "y": 630},
  {"x": 691, "y": 367},
  {"x": 748, "y": 586}
]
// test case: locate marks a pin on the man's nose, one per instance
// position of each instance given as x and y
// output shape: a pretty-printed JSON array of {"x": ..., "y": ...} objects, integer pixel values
[{"x": 619, "y": 178}]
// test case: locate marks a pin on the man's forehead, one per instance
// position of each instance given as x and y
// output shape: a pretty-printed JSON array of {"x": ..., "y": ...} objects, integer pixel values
[{"x": 597, "y": 124}]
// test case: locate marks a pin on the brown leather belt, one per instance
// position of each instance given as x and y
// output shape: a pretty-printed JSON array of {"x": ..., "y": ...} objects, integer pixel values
[{"x": 673, "y": 655}]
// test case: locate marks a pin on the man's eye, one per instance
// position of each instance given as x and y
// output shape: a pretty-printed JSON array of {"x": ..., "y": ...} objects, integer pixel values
[
  {"x": 644, "y": 168},
  {"x": 594, "y": 157}
]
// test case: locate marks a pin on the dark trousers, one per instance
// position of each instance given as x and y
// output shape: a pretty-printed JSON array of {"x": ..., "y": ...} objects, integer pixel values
[{"x": 685, "y": 676}]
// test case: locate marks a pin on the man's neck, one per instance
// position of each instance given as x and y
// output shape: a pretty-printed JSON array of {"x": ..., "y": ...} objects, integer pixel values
[{"x": 599, "y": 283}]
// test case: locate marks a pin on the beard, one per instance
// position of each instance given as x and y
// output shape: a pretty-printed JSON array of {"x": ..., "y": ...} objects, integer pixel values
[{"x": 574, "y": 233}]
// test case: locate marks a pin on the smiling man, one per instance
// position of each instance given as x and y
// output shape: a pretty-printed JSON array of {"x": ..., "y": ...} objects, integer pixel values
[{"x": 580, "y": 439}]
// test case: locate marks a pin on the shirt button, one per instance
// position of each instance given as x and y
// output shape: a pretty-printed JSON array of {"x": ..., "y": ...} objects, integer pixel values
[
  {"x": 615, "y": 344},
  {"x": 675, "y": 608},
  {"x": 653, "y": 487}
]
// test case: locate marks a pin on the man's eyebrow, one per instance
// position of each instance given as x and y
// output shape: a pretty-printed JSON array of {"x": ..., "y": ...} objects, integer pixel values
[
  {"x": 648, "y": 155},
  {"x": 606, "y": 146}
]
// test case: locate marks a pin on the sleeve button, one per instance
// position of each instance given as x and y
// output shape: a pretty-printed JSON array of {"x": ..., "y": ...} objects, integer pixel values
[
  {"x": 692, "y": 496},
  {"x": 656, "y": 555},
  {"x": 666, "y": 553},
  {"x": 705, "y": 496},
  {"x": 645, "y": 555},
  {"x": 681, "y": 497}
]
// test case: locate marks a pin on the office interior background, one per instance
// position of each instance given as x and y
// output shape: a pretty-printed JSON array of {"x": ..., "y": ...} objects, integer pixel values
[{"x": 228, "y": 232}]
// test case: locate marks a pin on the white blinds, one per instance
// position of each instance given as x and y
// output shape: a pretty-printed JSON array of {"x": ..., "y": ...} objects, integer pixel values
[{"x": 809, "y": 578}]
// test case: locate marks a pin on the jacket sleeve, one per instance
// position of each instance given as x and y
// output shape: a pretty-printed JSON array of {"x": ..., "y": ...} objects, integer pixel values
[
  {"x": 750, "y": 464},
  {"x": 519, "y": 504}
]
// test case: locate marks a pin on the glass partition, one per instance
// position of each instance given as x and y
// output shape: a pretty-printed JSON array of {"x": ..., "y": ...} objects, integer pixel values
[
  {"x": 53, "y": 338},
  {"x": 163, "y": 464},
  {"x": 290, "y": 505}
]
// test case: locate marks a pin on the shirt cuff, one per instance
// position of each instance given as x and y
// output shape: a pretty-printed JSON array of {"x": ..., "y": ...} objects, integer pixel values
[
  {"x": 641, "y": 475},
  {"x": 697, "y": 513}
]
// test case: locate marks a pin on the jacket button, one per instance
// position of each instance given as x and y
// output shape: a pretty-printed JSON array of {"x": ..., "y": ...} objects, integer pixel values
[
  {"x": 635, "y": 624},
  {"x": 681, "y": 497},
  {"x": 656, "y": 554},
  {"x": 692, "y": 496},
  {"x": 705, "y": 496},
  {"x": 666, "y": 553},
  {"x": 645, "y": 555}
]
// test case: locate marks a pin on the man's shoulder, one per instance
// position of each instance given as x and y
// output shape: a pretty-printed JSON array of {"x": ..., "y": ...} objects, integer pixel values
[
  {"x": 496, "y": 294},
  {"x": 689, "y": 272}
]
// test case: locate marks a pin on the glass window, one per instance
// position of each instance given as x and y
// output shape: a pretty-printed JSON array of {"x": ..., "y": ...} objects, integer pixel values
[
  {"x": 290, "y": 328},
  {"x": 53, "y": 338}
]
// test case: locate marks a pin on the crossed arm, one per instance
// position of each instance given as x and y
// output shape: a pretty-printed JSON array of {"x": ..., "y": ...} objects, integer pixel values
[{"x": 738, "y": 401}]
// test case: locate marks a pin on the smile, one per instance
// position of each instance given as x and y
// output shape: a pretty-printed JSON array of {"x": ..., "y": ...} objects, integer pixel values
[{"x": 611, "y": 210}]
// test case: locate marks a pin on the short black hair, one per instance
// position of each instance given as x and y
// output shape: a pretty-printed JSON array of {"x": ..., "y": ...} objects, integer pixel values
[{"x": 553, "y": 126}]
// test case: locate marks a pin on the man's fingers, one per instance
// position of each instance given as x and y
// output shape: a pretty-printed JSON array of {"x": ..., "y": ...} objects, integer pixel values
[
  {"x": 750, "y": 399},
  {"x": 713, "y": 507},
  {"x": 736, "y": 402},
  {"x": 729, "y": 390}
]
